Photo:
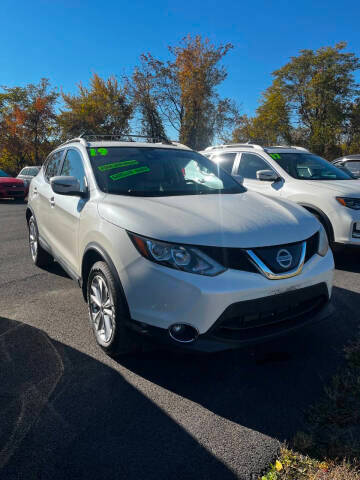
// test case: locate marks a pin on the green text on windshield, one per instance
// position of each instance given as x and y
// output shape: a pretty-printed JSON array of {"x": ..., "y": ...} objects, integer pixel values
[{"x": 153, "y": 171}]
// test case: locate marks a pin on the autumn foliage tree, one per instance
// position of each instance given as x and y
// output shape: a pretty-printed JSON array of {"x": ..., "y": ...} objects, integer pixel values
[
  {"x": 146, "y": 102},
  {"x": 28, "y": 124},
  {"x": 103, "y": 108},
  {"x": 186, "y": 89},
  {"x": 313, "y": 101}
]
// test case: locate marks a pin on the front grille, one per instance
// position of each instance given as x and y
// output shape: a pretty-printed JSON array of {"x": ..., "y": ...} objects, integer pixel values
[
  {"x": 251, "y": 318},
  {"x": 238, "y": 259},
  {"x": 312, "y": 245},
  {"x": 16, "y": 193},
  {"x": 235, "y": 258}
]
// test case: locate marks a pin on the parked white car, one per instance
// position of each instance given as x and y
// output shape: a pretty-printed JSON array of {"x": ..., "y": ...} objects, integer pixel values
[
  {"x": 294, "y": 173},
  {"x": 157, "y": 252}
]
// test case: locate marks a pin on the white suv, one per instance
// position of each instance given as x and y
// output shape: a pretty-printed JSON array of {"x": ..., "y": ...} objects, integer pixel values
[
  {"x": 165, "y": 245},
  {"x": 293, "y": 173}
]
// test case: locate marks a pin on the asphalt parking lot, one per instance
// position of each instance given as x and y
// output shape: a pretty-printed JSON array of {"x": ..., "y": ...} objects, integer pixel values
[{"x": 69, "y": 411}]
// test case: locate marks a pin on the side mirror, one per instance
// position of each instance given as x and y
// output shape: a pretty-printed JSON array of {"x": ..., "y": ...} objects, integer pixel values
[
  {"x": 67, "y": 186},
  {"x": 239, "y": 179},
  {"x": 267, "y": 175}
]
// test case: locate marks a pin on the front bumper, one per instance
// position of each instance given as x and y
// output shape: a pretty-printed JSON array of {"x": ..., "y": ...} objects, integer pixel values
[
  {"x": 343, "y": 220},
  {"x": 268, "y": 317},
  {"x": 12, "y": 193},
  {"x": 160, "y": 297}
]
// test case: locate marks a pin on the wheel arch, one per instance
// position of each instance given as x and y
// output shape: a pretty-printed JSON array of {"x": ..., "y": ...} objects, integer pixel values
[
  {"x": 318, "y": 212},
  {"x": 95, "y": 253},
  {"x": 29, "y": 212}
]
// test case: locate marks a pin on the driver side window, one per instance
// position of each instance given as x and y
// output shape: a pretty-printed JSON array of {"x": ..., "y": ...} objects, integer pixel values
[{"x": 250, "y": 164}]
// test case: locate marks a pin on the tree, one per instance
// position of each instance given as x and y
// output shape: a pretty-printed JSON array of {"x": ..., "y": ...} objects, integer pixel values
[
  {"x": 352, "y": 138},
  {"x": 185, "y": 88},
  {"x": 27, "y": 123},
  {"x": 313, "y": 102},
  {"x": 271, "y": 124},
  {"x": 145, "y": 100},
  {"x": 104, "y": 108},
  {"x": 318, "y": 87}
]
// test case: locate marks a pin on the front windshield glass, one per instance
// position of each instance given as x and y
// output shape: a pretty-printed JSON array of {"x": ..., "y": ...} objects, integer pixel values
[
  {"x": 354, "y": 168},
  {"x": 306, "y": 166},
  {"x": 158, "y": 172},
  {"x": 33, "y": 171},
  {"x": 3, "y": 174}
]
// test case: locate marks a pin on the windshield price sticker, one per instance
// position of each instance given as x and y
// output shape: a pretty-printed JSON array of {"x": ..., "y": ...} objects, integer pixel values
[
  {"x": 94, "y": 152},
  {"x": 275, "y": 156},
  {"x": 128, "y": 173},
  {"x": 111, "y": 166}
]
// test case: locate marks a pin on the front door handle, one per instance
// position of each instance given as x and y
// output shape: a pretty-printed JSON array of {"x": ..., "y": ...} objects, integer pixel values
[{"x": 52, "y": 202}]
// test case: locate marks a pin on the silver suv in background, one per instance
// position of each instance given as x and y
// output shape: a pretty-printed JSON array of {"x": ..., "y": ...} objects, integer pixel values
[
  {"x": 165, "y": 244},
  {"x": 350, "y": 163},
  {"x": 28, "y": 173}
]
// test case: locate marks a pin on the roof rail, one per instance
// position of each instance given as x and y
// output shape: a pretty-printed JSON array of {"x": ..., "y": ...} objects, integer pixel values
[
  {"x": 289, "y": 146},
  {"x": 76, "y": 139},
  {"x": 121, "y": 137},
  {"x": 300, "y": 148},
  {"x": 178, "y": 144},
  {"x": 232, "y": 145}
]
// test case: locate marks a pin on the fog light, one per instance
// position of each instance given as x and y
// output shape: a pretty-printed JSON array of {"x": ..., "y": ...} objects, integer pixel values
[{"x": 183, "y": 333}]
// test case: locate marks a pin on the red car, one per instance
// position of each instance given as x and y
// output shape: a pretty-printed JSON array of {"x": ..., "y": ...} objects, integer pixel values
[{"x": 11, "y": 187}]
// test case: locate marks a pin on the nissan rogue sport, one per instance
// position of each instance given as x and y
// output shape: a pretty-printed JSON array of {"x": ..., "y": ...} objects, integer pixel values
[{"x": 165, "y": 244}]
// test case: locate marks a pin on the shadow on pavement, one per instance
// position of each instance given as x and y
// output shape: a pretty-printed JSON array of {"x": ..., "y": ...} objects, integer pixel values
[
  {"x": 55, "y": 269},
  {"x": 347, "y": 259},
  {"x": 265, "y": 388},
  {"x": 65, "y": 415}
]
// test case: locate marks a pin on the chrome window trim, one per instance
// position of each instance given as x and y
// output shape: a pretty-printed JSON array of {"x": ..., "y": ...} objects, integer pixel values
[{"x": 264, "y": 270}]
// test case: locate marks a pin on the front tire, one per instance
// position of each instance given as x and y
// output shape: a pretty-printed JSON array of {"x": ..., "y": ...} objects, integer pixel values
[
  {"x": 39, "y": 256},
  {"x": 108, "y": 312}
]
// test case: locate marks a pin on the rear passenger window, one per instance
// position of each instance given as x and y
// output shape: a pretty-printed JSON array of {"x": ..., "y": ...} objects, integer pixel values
[
  {"x": 225, "y": 161},
  {"x": 53, "y": 165},
  {"x": 73, "y": 167}
]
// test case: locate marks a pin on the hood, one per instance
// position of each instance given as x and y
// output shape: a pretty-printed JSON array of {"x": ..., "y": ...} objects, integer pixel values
[
  {"x": 340, "y": 187},
  {"x": 242, "y": 220},
  {"x": 10, "y": 181}
]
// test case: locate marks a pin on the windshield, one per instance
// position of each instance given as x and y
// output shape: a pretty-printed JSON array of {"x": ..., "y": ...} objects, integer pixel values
[
  {"x": 306, "y": 166},
  {"x": 3, "y": 174},
  {"x": 158, "y": 172},
  {"x": 354, "y": 168}
]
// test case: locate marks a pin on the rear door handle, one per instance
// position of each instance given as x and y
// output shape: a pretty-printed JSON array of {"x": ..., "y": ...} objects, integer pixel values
[{"x": 52, "y": 202}]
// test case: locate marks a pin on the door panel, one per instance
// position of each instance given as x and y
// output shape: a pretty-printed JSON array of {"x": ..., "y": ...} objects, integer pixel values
[
  {"x": 45, "y": 195},
  {"x": 66, "y": 212}
]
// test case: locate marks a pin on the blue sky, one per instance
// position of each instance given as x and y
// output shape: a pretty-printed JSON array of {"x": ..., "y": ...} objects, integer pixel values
[{"x": 68, "y": 40}]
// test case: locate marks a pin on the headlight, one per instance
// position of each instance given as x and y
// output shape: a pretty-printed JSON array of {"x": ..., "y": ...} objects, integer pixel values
[
  {"x": 323, "y": 242},
  {"x": 353, "y": 203},
  {"x": 181, "y": 257}
]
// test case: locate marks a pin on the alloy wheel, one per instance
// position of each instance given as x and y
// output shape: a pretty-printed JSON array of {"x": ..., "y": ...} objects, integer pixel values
[
  {"x": 33, "y": 240},
  {"x": 102, "y": 309}
]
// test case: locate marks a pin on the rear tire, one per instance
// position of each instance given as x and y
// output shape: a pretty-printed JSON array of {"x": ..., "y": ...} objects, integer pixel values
[
  {"x": 40, "y": 257},
  {"x": 108, "y": 313}
]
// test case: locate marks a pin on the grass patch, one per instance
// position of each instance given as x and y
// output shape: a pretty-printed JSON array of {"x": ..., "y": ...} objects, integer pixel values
[
  {"x": 292, "y": 465},
  {"x": 329, "y": 448}
]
